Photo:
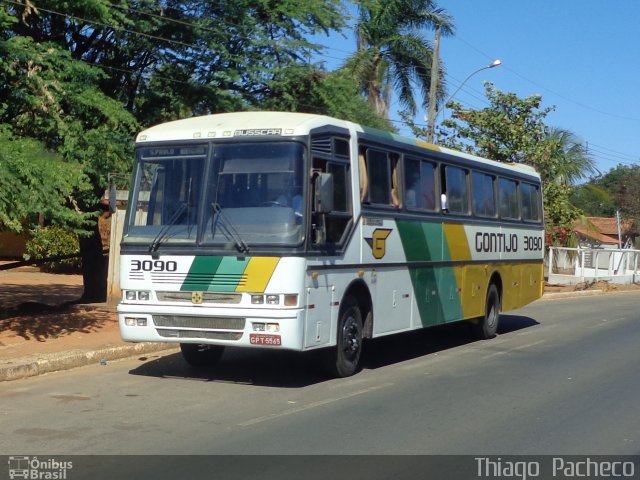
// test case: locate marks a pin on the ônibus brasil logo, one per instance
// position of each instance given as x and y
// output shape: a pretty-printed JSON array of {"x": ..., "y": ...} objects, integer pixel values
[{"x": 34, "y": 468}]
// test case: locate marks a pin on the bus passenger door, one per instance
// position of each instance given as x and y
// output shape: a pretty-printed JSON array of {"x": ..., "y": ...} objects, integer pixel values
[{"x": 320, "y": 311}]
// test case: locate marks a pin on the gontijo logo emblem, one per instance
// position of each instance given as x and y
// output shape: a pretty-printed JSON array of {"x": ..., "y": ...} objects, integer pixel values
[{"x": 378, "y": 242}]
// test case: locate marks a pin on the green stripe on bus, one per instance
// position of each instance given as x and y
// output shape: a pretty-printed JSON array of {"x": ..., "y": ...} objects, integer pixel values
[
  {"x": 202, "y": 269},
  {"x": 220, "y": 274},
  {"x": 435, "y": 288}
]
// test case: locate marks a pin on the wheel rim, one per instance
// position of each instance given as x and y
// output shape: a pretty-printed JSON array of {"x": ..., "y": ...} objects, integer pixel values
[
  {"x": 492, "y": 314},
  {"x": 351, "y": 339}
]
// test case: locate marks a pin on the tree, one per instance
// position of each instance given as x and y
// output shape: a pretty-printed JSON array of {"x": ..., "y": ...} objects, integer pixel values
[
  {"x": 307, "y": 89},
  {"x": 392, "y": 53},
  {"x": 81, "y": 77},
  {"x": 574, "y": 161},
  {"x": 52, "y": 98},
  {"x": 618, "y": 189},
  {"x": 512, "y": 129},
  {"x": 206, "y": 56},
  {"x": 593, "y": 199},
  {"x": 34, "y": 181}
]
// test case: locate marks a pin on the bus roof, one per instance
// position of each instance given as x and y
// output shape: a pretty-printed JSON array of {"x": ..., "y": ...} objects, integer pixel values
[
  {"x": 225, "y": 125},
  {"x": 249, "y": 124}
]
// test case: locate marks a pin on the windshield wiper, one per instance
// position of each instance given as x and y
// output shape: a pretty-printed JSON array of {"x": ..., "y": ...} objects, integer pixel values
[
  {"x": 227, "y": 228},
  {"x": 162, "y": 234}
]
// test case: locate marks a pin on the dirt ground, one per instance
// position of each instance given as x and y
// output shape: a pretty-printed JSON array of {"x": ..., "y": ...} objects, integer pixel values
[{"x": 36, "y": 318}]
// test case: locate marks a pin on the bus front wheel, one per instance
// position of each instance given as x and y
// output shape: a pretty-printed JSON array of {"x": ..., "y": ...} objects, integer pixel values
[
  {"x": 344, "y": 359},
  {"x": 487, "y": 326},
  {"x": 200, "y": 356}
]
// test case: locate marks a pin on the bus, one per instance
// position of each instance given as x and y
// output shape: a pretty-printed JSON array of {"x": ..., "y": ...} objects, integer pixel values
[{"x": 295, "y": 231}]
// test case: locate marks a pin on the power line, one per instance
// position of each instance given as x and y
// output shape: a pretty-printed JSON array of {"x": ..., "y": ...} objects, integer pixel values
[{"x": 559, "y": 95}]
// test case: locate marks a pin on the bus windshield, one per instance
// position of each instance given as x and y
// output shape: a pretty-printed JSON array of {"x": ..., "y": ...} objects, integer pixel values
[{"x": 238, "y": 195}]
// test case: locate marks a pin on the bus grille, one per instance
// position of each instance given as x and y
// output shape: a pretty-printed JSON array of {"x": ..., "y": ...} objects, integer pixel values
[
  {"x": 199, "y": 334},
  {"x": 200, "y": 280},
  {"x": 207, "y": 297},
  {"x": 193, "y": 321}
]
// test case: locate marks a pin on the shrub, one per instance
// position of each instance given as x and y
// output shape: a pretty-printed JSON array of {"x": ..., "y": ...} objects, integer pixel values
[{"x": 53, "y": 241}]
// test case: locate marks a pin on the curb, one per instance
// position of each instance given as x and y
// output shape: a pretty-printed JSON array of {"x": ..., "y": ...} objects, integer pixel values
[
  {"x": 578, "y": 293},
  {"x": 584, "y": 293},
  {"x": 30, "y": 367}
]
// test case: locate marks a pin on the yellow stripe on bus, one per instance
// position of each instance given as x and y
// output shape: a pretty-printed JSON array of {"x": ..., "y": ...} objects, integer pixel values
[
  {"x": 457, "y": 241},
  {"x": 258, "y": 273}
]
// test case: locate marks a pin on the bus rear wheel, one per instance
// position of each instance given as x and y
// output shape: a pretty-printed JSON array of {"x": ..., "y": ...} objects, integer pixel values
[
  {"x": 487, "y": 326},
  {"x": 344, "y": 359},
  {"x": 201, "y": 356}
]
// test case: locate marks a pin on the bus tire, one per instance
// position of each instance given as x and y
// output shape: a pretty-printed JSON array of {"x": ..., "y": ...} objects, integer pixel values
[
  {"x": 201, "y": 356},
  {"x": 343, "y": 360},
  {"x": 486, "y": 327}
]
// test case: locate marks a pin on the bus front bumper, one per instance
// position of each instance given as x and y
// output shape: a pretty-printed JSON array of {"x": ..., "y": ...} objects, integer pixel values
[{"x": 257, "y": 328}]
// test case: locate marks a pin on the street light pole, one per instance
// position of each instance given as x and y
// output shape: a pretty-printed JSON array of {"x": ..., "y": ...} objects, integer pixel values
[{"x": 431, "y": 118}]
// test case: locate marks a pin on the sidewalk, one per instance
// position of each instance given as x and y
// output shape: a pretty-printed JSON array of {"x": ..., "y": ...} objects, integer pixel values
[{"x": 35, "y": 339}]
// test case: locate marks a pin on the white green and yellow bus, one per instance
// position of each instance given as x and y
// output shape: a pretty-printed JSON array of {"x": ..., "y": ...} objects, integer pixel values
[{"x": 296, "y": 231}]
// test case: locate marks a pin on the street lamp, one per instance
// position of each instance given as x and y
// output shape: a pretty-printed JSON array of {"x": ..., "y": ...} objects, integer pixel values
[{"x": 431, "y": 119}]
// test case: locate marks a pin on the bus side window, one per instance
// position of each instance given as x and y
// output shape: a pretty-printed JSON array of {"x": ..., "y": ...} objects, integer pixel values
[
  {"x": 508, "y": 199},
  {"x": 412, "y": 183},
  {"x": 456, "y": 190},
  {"x": 530, "y": 197},
  {"x": 483, "y": 191},
  {"x": 419, "y": 182},
  {"x": 382, "y": 178},
  {"x": 379, "y": 176}
]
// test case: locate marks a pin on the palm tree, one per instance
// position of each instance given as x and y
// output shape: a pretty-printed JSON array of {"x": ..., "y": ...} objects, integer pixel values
[
  {"x": 391, "y": 51},
  {"x": 573, "y": 160}
]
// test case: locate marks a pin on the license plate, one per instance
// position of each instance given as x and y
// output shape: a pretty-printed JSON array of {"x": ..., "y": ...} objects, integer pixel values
[{"x": 264, "y": 339}]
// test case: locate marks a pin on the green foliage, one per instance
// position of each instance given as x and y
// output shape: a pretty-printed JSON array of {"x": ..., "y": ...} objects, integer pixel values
[
  {"x": 54, "y": 99},
  {"x": 511, "y": 129},
  {"x": 392, "y": 53},
  {"x": 54, "y": 241},
  {"x": 35, "y": 181},
  {"x": 309, "y": 90},
  {"x": 618, "y": 189},
  {"x": 594, "y": 200}
]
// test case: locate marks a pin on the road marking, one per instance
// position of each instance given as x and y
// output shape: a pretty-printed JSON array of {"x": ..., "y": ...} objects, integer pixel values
[
  {"x": 514, "y": 349},
  {"x": 605, "y": 321},
  {"x": 302, "y": 408}
]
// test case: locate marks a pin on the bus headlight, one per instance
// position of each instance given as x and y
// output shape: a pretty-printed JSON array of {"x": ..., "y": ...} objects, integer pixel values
[
  {"x": 135, "y": 322},
  {"x": 287, "y": 299},
  {"x": 257, "y": 299},
  {"x": 133, "y": 295}
]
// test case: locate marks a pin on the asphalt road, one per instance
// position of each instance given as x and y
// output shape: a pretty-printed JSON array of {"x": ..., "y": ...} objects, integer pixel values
[{"x": 562, "y": 378}]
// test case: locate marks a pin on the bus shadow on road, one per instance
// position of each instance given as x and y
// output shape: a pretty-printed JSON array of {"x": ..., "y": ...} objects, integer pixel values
[
  {"x": 402, "y": 347},
  {"x": 286, "y": 369},
  {"x": 258, "y": 367}
]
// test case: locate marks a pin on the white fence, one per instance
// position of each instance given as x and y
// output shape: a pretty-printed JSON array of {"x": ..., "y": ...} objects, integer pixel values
[{"x": 567, "y": 266}]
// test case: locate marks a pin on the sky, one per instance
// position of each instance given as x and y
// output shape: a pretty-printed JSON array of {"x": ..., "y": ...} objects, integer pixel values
[{"x": 581, "y": 56}]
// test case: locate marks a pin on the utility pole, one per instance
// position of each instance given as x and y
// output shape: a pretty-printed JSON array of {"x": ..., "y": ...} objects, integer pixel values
[{"x": 433, "y": 88}]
